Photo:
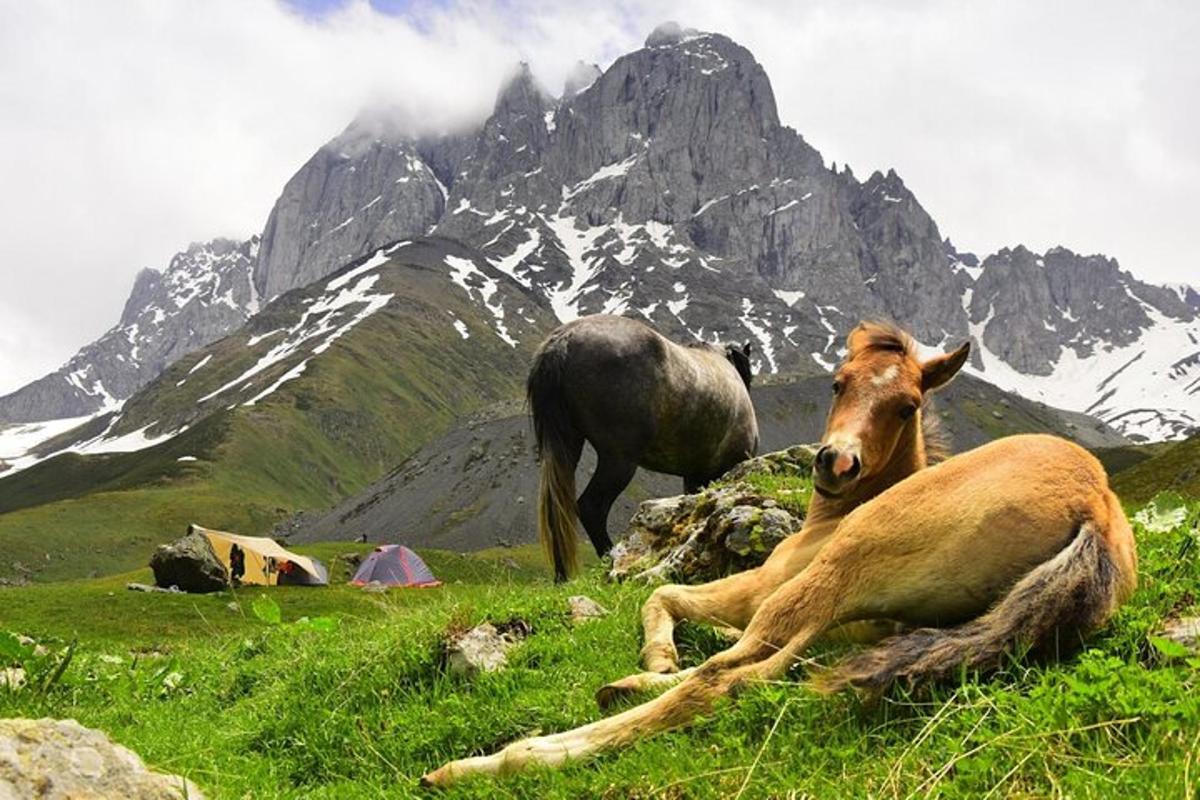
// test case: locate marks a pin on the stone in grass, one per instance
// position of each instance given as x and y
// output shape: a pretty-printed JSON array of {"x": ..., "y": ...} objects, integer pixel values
[
  {"x": 11, "y": 678},
  {"x": 145, "y": 587},
  {"x": 584, "y": 608},
  {"x": 483, "y": 648},
  {"x": 62, "y": 760},
  {"x": 39, "y": 649},
  {"x": 1184, "y": 631}
]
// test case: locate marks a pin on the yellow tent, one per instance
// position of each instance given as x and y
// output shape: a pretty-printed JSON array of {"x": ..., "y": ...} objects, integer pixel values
[{"x": 264, "y": 562}]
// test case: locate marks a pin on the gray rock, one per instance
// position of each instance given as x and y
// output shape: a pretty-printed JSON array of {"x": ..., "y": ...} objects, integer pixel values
[
  {"x": 753, "y": 533},
  {"x": 1184, "y": 631},
  {"x": 12, "y": 678},
  {"x": 62, "y": 760},
  {"x": 584, "y": 608},
  {"x": 145, "y": 587},
  {"x": 483, "y": 648},
  {"x": 366, "y": 188},
  {"x": 190, "y": 564}
]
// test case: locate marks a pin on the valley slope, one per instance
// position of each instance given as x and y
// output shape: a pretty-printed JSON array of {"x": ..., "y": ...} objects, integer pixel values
[
  {"x": 477, "y": 486},
  {"x": 309, "y": 403}
]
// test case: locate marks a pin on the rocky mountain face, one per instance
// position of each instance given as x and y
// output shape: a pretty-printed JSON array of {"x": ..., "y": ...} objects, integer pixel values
[
  {"x": 1079, "y": 332},
  {"x": 666, "y": 187},
  {"x": 367, "y": 187},
  {"x": 203, "y": 294}
]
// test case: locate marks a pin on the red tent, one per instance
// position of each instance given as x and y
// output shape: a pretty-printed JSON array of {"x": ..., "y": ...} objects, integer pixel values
[{"x": 394, "y": 565}]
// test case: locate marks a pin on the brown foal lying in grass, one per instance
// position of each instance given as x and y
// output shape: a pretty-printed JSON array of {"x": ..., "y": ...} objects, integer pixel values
[{"x": 1019, "y": 543}]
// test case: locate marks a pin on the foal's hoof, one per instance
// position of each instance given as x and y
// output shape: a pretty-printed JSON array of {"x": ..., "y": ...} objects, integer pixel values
[
  {"x": 433, "y": 780},
  {"x": 662, "y": 659}
]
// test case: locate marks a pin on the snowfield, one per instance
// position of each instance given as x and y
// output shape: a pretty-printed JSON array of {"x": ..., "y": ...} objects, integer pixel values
[{"x": 1149, "y": 390}]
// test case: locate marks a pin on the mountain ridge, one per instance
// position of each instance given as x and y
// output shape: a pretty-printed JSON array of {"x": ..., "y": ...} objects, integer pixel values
[{"x": 666, "y": 187}]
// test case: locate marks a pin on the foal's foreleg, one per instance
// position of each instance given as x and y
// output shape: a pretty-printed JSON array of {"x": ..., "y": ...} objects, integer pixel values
[
  {"x": 787, "y": 623},
  {"x": 728, "y": 602}
]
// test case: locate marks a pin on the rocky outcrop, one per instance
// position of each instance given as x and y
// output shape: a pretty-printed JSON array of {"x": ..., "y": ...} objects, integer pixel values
[
  {"x": 701, "y": 537},
  {"x": 62, "y": 760},
  {"x": 190, "y": 564},
  {"x": 724, "y": 529}
]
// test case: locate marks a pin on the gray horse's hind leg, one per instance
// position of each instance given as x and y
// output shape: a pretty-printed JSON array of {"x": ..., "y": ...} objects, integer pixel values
[{"x": 612, "y": 475}]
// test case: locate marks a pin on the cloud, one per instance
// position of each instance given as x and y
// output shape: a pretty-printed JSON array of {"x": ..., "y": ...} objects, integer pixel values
[{"x": 126, "y": 132}]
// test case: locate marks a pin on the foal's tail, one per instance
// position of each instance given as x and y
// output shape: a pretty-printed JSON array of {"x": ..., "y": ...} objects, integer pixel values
[
  {"x": 1073, "y": 593},
  {"x": 558, "y": 446}
]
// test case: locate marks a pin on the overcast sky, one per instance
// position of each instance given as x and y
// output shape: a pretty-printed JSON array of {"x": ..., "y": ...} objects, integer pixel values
[{"x": 128, "y": 129}]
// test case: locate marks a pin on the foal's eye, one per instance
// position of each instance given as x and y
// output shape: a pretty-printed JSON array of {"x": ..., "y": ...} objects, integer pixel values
[
  {"x": 906, "y": 412},
  {"x": 837, "y": 388}
]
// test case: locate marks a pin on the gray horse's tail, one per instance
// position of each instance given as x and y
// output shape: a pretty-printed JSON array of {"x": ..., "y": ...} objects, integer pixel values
[{"x": 558, "y": 444}]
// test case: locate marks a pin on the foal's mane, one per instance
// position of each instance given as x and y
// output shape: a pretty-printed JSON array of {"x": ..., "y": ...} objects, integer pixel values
[
  {"x": 878, "y": 336},
  {"x": 881, "y": 337}
]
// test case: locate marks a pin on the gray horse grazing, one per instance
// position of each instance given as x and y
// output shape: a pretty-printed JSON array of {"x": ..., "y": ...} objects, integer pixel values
[{"x": 641, "y": 400}]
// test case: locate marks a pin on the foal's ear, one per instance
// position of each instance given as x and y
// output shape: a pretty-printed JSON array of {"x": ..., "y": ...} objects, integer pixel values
[
  {"x": 746, "y": 348},
  {"x": 938, "y": 371}
]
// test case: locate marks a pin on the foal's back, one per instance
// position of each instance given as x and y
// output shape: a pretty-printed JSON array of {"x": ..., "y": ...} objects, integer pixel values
[{"x": 960, "y": 533}]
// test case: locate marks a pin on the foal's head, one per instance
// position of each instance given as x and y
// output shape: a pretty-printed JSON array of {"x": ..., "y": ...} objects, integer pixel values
[{"x": 875, "y": 420}]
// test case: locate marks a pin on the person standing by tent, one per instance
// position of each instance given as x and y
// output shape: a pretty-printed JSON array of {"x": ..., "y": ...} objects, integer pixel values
[{"x": 237, "y": 564}]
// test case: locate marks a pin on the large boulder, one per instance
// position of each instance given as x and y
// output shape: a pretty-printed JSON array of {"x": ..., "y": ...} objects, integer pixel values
[
  {"x": 726, "y": 528},
  {"x": 190, "y": 564},
  {"x": 62, "y": 760}
]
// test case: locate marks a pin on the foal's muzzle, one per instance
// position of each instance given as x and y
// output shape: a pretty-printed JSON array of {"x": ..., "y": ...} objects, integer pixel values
[{"x": 835, "y": 469}]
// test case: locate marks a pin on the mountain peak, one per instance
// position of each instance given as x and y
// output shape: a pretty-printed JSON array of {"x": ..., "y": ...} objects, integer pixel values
[
  {"x": 521, "y": 92},
  {"x": 669, "y": 33},
  {"x": 581, "y": 76}
]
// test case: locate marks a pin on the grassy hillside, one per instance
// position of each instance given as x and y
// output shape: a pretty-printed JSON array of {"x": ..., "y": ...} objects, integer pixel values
[
  {"x": 1174, "y": 467},
  {"x": 377, "y": 393},
  {"x": 250, "y": 710}
]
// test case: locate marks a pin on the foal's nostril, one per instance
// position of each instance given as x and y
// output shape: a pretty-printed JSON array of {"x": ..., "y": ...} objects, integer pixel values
[
  {"x": 824, "y": 460},
  {"x": 855, "y": 468}
]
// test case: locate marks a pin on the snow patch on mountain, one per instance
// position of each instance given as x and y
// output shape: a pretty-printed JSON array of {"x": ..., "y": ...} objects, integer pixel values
[
  {"x": 1148, "y": 390},
  {"x": 328, "y": 316},
  {"x": 482, "y": 287}
]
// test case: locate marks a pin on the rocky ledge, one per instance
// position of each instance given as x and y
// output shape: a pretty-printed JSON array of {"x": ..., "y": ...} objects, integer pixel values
[{"x": 728, "y": 527}]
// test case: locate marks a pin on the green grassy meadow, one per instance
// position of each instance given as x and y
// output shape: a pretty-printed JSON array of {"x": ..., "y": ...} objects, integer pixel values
[{"x": 354, "y": 702}]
